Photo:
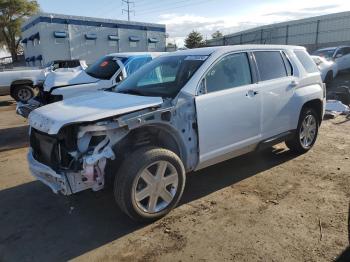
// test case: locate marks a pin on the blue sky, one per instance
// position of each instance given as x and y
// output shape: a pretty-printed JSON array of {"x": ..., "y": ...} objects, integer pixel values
[{"x": 205, "y": 16}]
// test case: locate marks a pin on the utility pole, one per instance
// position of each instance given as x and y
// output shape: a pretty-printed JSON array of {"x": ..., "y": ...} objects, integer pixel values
[{"x": 128, "y": 10}]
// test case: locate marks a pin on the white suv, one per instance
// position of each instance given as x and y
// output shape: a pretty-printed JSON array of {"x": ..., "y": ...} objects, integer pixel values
[{"x": 182, "y": 112}]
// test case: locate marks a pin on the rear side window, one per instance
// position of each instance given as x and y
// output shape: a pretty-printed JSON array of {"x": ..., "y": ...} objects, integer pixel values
[
  {"x": 270, "y": 65},
  {"x": 307, "y": 62}
]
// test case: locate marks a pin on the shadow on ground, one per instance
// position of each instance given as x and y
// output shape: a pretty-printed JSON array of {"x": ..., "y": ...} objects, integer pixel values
[
  {"x": 7, "y": 103},
  {"x": 36, "y": 224},
  {"x": 12, "y": 138}
]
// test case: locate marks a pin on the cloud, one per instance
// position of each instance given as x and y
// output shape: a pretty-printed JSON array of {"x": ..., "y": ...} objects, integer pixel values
[
  {"x": 321, "y": 8},
  {"x": 179, "y": 25}
]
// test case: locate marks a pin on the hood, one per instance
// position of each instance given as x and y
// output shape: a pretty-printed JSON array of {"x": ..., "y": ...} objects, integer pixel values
[
  {"x": 90, "y": 107},
  {"x": 67, "y": 78}
]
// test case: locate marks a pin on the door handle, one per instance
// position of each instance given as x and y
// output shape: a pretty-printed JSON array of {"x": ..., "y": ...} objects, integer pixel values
[{"x": 252, "y": 93}]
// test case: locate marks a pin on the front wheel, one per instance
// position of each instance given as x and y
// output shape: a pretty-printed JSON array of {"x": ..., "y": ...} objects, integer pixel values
[
  {"x": 306, "y": 133},
  {"x": 149, "y": 183},
  {"x": 22, "y": 93}
]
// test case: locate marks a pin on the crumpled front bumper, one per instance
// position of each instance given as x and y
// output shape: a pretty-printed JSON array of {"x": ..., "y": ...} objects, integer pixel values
[
  {"x": 24, "y": 109},
  {"x": 57, "y": 182}
]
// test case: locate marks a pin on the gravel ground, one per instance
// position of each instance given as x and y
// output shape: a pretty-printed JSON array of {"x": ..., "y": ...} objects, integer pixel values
[{"x": 265, "y": 206}]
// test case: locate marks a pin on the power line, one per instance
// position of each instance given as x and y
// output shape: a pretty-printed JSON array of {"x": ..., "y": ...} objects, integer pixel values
[
  {"x": 171, "y": 8},
  {"x": 155, "y": 5},
  {"x": 128, "y": 10}
]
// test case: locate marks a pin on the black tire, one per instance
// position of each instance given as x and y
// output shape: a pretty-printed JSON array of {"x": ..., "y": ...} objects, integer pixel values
[
  {"x": 22, "y": 93},
  {"x": 295, "y": 143},
  {"x": 329, "y": 77},
  {"x": 128, "y": 173}
]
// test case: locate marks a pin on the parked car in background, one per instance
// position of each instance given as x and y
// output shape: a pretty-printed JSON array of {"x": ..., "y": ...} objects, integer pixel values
[
  {"x": 20, "y": 84},
  {"x": 340, "y": 55},
  {"x": 106, "y": 72},
  {"x": 328, "y": 68},
  {"x": 181, "y": 112}
]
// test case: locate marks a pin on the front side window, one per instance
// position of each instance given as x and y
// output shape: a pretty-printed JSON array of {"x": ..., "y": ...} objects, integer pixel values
[
  {"x": 231, "y": 71},
  {"x": 104, "y": 68},
  {"x": 270, "y": 65},
  {"x": 164, "y": 76},
  {"x": 307, "y": 62}
]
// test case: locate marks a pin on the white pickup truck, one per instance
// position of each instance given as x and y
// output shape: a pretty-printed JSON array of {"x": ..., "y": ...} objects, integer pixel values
[{"x": 20, "y": 84}]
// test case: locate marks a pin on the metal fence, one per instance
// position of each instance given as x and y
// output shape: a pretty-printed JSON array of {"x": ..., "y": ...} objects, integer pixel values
[{"x": 312, "y": 33}]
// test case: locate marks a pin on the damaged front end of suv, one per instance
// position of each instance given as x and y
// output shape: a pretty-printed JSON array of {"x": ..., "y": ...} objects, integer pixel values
[{"x": 73, "y": 158}]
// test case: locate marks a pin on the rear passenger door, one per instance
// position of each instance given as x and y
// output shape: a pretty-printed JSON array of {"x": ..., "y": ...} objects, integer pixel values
[
  {"x": 277, "y": 88},
  {"x": 228, "y": 110}
]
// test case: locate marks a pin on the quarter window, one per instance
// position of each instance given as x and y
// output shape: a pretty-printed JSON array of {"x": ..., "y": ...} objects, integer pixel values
[
  {"x": 270, "y": 65},
  {"x": 232, "y": 71},
  {"x": 306, "y": 61}
]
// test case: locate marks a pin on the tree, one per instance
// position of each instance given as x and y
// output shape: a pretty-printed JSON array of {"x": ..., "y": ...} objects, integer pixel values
[
  {"x": 12, "y": 15},
  {"x": 216, "y": 34},
  {"x": 194, "y": 40}
]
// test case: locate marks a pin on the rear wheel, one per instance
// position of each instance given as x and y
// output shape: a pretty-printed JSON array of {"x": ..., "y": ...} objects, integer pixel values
[
  {"x": 149, "y": 183},
  {"x": 306, "y": 133},
  {"x": 22, "y": 93}
]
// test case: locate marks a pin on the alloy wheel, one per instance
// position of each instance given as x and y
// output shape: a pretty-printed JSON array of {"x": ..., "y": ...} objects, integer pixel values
[
  {"x": 308, "y": 131},
  {"x": 155, "y": 187}
]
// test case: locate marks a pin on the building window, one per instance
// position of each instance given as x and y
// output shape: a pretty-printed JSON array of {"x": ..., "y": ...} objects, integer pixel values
[
  {"x": 90, "y": 42},
  {"x": 60, "y": 41},
  {"x": 133, "y": 44},
  {"x": 152, "y": 45},
  {"x": 112, "y": 43},
  {"x": 152, "y": 42}
]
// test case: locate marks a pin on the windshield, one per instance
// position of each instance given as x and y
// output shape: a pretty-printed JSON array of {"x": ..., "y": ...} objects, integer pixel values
[
  {"x": 105, "y": 67},
  {"x": 164, "y": 76},
  {"x": 326, "y": 53}
]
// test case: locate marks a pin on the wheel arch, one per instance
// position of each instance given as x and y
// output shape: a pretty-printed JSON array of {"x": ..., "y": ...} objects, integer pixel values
[
  {"x": 19, "y": 83},
  {"x": 317, "y": 105},
  {"x": 157, "y": 134}
]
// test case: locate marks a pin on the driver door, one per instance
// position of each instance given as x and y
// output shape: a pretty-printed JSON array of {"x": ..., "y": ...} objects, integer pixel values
[{"x": 228, "y": 110}]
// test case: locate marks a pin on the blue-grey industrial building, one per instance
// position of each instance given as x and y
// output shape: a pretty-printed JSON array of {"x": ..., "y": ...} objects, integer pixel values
[
  {"x": 47, "y": 37},
  {"x": 313, "y": 33}
]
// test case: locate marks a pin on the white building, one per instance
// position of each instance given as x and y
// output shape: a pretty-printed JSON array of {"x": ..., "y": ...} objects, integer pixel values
[{"x": 47, "y": 37}]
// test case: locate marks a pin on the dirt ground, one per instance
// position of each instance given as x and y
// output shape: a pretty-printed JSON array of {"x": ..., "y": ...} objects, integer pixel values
[{"x": 265, "y": 206}]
